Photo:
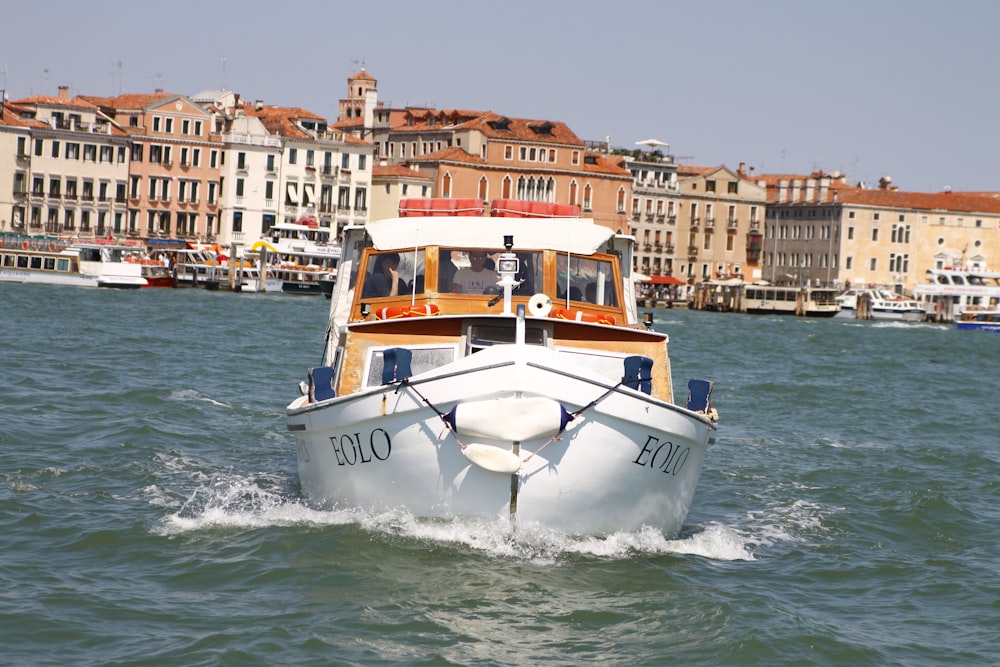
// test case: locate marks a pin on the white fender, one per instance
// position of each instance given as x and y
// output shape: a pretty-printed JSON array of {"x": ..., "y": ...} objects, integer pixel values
[
  {"x": 512, "y": 419},
  {"x": 492, "y": 458}
]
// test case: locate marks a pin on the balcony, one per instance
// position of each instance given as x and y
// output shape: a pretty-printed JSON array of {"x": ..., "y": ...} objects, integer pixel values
[
  {"x": 668, "y": 248},
  {"x": 672, "y": 219},
  {"x": 709, "y": 222},
  {"x": 636, "y": 216},
  {"x": 732, "y": 223},
  {"x": 695, "y": 223},
  {"x": 692, "y": 253}
]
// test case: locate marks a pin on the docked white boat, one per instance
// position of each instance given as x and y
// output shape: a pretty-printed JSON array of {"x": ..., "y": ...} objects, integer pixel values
[
  {"x": 805, "y": 301},
  {"x": 542, "y": 398},
  {"x": 307, "y": 254},
  {"x": 980, "y": 318},
  {"x": 78, "y": 265},
  {"x": 875, "y": 303},
  {"x": 949, "y": 292}
]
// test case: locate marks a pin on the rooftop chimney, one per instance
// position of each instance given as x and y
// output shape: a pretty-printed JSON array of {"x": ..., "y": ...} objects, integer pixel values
[{"x": 64, "y": 92}]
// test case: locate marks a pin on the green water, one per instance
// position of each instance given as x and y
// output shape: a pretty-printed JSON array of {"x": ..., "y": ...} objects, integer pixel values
[{"x": 150, "y": 512}]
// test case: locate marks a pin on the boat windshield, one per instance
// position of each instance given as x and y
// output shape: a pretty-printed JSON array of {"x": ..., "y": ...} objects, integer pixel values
[
  {"x": 408, "y": 268},
  {"x": 586, "y": 279},
  {"x": 473, "y": 271}
]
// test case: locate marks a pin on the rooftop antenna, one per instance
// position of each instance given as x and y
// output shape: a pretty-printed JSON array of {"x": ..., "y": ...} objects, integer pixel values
[
  {"x": 117, "y": 79},
  {"x": 222, "y": 59},
  {"x": 156, "y": 78}
]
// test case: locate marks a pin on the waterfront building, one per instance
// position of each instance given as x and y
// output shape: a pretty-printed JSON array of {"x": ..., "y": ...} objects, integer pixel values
[
  {"x": 823, "y": 230},
  {"x": 391, "y": 183},
  {"x": 719, "y": 223},
  {"x": 324, "y": 175},
  {"x": 173, "y": 168},
  {"x": 70, "y": 167},
  {"x": 485, "y": 155},
  {"x": 653, "y": 210},
  {"x": 15, "y": 159}
]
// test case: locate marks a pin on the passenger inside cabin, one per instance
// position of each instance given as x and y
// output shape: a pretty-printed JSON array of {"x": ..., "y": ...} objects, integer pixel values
[
  {"x": 384, "y": 279},
  {"x": 475, "y": 278}
]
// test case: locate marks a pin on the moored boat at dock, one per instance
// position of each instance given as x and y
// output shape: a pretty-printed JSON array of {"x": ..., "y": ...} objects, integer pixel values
[
  {"x": 494, "y": 366},
  {"x": 875, "y": 303},
  {"x": 949, "y": 292},
  {"x": 805, "y": 301},
  {"x": 979, "y": 318},
  {"x": 76, "y": 264}
]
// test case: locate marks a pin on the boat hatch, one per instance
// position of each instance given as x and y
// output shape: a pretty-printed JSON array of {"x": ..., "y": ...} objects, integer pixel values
[
  {"x": 481, "y": 336},
  {"x": 424, "y": 358}
]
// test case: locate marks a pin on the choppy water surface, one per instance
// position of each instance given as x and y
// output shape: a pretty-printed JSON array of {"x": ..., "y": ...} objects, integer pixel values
[{"x": 150, "y": 511}]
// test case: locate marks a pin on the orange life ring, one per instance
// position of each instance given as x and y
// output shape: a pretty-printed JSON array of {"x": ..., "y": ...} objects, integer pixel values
[
  {"x": 25, "y": 245},
  {"x": 582, "y": 316},
  {"x": 396, "y": 312},
  {"x": 53, "y": 247}
]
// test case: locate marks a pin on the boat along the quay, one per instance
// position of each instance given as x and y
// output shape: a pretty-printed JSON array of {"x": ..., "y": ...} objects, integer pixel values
[
  {"x": 494, "y": 366},
  {"x": 73, "y": 264}
]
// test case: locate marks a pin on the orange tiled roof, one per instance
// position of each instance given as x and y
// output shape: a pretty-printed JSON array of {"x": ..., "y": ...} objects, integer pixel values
[
  {"x": 691, "y": 170},
  {"x": 281, "y": 120},
  {"x": 451, "y": 154},
  {"x": 386, "y": 171},
  {"x": 126, "y": 102},
  {"x": 48, "y": 100},
  {"x": 12, "y": 117},
  {"x": 882, "y": 198},
  {"x": 613, "y": 165}
]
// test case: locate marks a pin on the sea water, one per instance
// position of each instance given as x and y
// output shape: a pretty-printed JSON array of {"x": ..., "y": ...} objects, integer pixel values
[{"x": 848, "y": 513}]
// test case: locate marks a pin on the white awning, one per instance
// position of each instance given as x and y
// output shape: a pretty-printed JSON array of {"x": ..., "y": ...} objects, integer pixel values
[
  {"x": 308, "y": 194},
  {"x": 293, "y": 193},
  {"x": 581, "y": 236}
]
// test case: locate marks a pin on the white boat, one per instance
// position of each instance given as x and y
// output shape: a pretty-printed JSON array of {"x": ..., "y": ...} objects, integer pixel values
[
  {"x": 875, "y": 303},
  {"x": 949, "y": 292},
  {"x": 542, "y": 399},
  {"x": 980, "y": 318},
  {"x": 78, "y": 264},
  {"x": 307, "y": 254},
  {"x": 804, "y": 301}
]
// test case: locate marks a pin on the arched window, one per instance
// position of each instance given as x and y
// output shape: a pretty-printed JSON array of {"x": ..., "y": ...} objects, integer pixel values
[
  {"x": 587, "y": 192},
  {"x": 505, "y": 188},
  {"x": 446, "y": 185},
  {"x": 573, "y": 192},
  {"x": 484, "y": 189}
]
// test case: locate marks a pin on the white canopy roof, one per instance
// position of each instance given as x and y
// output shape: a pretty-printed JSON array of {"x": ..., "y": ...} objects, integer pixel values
[{"x": 580, "y": 236}]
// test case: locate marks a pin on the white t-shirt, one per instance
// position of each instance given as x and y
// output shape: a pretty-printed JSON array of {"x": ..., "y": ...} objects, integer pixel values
[{"x": 471, "y": 282}]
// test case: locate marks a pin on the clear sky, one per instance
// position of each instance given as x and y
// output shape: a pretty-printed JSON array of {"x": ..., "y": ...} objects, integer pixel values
[{"x": 903, "y": 88}]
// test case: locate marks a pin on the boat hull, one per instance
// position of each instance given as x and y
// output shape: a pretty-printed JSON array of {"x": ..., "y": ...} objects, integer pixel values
[{"x": 626, "y": 461}]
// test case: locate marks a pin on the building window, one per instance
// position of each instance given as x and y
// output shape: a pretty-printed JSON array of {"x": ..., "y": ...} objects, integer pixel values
[
  {"x": 293, "y": 155},
  {"x": 361, "y": 162},
  {"x": 345, "y": 161},
  {"x": 237, "y": 221},
  {"x": 709, "y": 186},
  {"x": 874, "y": 234}
]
